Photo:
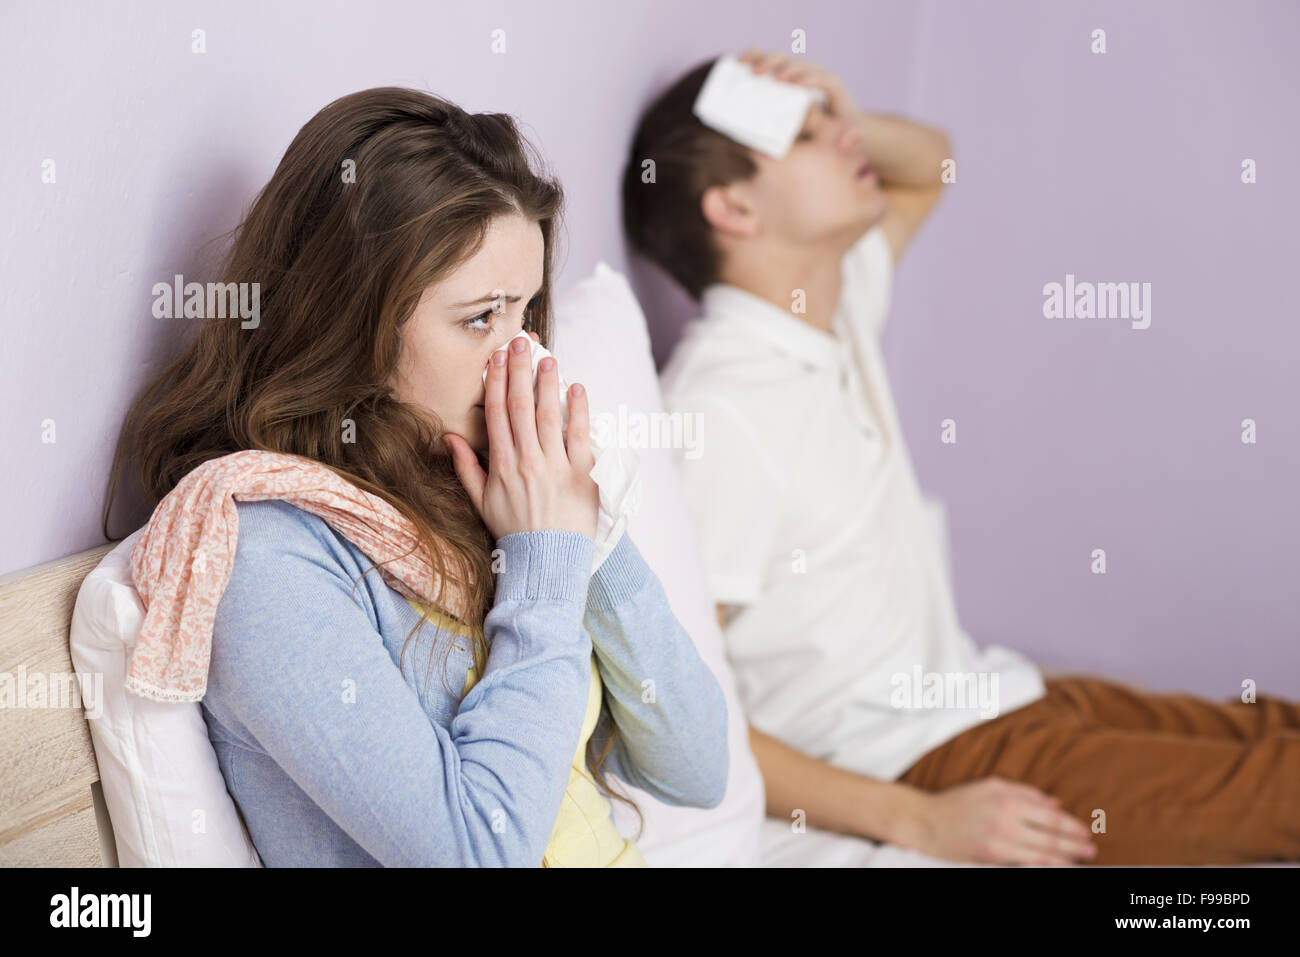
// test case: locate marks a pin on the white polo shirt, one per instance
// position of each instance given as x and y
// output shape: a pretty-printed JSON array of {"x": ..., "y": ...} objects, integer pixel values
[{"x": 811, "y": 520}]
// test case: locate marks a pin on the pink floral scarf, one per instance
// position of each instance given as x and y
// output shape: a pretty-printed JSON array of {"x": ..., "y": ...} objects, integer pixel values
[{"x": 182, "y": 561}]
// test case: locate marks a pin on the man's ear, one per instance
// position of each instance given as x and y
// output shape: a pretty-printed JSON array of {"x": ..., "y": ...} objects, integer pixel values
[{"x": 728, "y": 211}]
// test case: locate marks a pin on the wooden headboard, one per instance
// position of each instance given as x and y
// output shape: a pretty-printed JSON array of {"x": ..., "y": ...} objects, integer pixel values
[{"x": 51, "y": 806}]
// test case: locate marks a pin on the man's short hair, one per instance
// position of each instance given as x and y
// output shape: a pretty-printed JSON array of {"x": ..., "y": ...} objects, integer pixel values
[{"x": 662, "y": 219}]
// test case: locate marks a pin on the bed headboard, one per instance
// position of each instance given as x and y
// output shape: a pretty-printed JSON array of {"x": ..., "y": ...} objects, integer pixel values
[{"x": 51, "y": 806}]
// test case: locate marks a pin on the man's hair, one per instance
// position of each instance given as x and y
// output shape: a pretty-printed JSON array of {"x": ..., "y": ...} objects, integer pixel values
[{"x": 662, "y": 218}]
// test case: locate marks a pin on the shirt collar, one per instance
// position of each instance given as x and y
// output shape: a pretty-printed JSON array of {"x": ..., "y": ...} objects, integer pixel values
[{"x": 774, "y": 324}]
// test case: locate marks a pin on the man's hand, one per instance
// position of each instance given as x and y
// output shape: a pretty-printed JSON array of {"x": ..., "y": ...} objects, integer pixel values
[
  {"x": 991, "y": 821},
  {"x": 806, "y": 73},
  {"x": 995, "y": 821}
]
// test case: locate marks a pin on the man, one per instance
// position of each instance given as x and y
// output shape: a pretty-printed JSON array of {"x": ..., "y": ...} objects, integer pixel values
[{"x": 870, "y": 709}]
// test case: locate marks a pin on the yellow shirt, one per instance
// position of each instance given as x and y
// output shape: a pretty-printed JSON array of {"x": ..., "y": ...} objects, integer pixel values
[{"x": 584, "y": 834}]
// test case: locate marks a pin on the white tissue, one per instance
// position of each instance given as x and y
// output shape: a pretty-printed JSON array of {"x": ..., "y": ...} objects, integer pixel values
[
  {"x": 616, "y": 472},
  {"x": 756, "y": 111}
]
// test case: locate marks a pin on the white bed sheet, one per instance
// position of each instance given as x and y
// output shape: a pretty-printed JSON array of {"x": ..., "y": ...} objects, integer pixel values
[{"x": 783, "y": 847}]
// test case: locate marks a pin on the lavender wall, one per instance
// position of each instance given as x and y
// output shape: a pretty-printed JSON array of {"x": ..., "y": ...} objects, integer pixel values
[
  {"x": 1076, "y": 434},
  {"x": 1072, "y": 434}
]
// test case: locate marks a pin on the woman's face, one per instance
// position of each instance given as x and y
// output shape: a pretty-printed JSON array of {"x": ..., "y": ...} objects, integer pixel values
[{"x": 454, "y": 329}]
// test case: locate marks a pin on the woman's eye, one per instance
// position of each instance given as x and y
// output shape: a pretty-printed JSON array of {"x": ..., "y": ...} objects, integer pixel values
[
  {"x": 487, "y": 318},
  {"x": 481, "y": 317}
]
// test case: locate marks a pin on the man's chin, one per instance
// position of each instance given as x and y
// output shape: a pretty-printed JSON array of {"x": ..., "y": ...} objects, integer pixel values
[{"x": 870, "y": 215}]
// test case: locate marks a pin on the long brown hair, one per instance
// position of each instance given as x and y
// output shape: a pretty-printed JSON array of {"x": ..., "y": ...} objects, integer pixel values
[{"x": 381, "y": 194}]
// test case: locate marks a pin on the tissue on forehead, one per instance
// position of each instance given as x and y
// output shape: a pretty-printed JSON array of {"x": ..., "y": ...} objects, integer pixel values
[{"x": 755, "y": 110}]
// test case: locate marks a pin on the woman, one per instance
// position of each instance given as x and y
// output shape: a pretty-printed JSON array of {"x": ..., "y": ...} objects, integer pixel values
[{"x": 399, "y": 244}]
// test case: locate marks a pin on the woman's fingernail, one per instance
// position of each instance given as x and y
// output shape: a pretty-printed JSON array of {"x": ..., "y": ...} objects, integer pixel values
[
  {"x": 517, "y": 345},
  {"x": 498, "y": 358},
  {"x": 546, "y": 365},
  {"x": 577, "y": 389}
]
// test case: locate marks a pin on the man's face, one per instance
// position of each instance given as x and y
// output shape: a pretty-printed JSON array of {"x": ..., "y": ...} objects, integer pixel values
[
  {"x": 818, "y": 189},
  {"x": 454, "y": 330}
]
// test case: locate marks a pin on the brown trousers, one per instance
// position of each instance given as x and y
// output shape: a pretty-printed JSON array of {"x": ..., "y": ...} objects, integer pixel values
[{"x": 1181, "y": 780}]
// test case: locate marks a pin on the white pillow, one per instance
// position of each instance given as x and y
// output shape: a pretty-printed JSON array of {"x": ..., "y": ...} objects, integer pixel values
[
  {"x": 159, "y": 770},
  {"x": 162, "y": 784},
  {"x": 601, "y": 340}
]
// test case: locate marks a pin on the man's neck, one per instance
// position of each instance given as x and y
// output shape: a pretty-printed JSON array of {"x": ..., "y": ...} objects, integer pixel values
[{"x": 779, "y": 274}]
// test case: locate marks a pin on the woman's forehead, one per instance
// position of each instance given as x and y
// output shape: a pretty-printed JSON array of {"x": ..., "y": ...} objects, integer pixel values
[{"x": 509, "y": 262}]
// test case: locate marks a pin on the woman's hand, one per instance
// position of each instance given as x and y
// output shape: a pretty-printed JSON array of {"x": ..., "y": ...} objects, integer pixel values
[
  {"x": 995, "y": 821},
  {"x": 538, "y": 476}
]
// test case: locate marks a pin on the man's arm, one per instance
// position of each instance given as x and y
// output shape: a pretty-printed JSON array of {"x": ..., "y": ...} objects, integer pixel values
[
  {"x": 991, "y": 820},
  {"x": 831, "y": 798},
  {"x": 908, "y": 157}
]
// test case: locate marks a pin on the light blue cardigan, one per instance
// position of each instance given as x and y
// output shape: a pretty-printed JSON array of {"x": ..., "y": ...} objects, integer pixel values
[{"x": 337, "y": 758}]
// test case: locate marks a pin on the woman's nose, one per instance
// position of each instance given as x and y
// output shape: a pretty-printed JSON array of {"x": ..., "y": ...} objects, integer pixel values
[
  {"x": 507, "y": 329},
  {"x": 497, "y": 340}
]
